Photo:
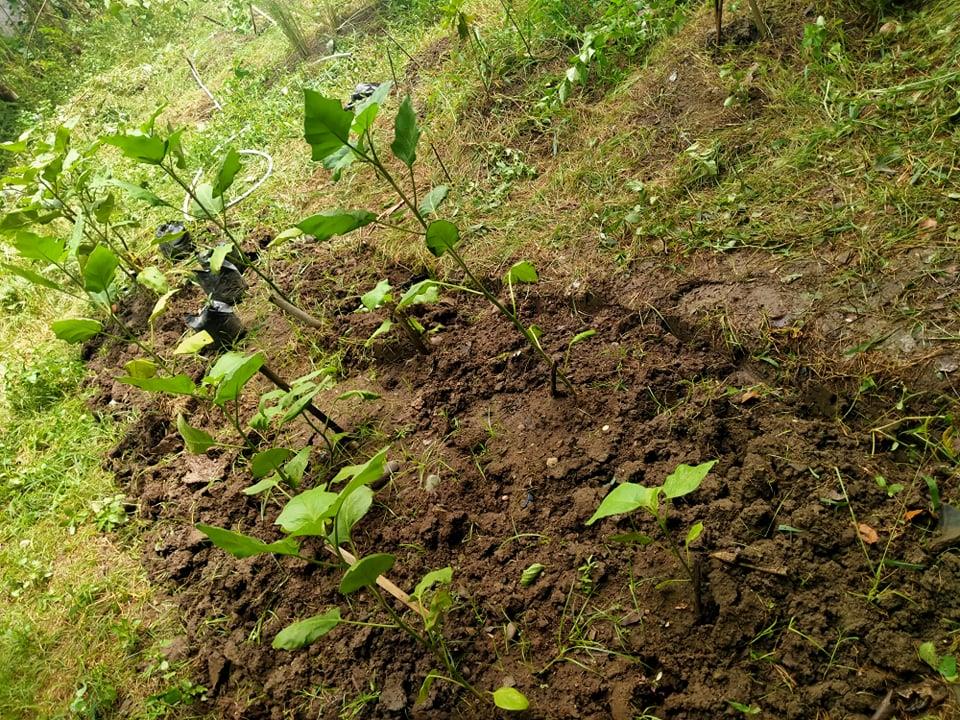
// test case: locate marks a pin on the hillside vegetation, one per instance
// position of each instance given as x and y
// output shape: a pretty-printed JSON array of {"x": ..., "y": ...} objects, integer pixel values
[{"x": 590, "y": 367}]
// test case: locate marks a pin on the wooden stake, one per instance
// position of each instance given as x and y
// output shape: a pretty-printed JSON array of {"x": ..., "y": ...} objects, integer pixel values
[{"x": 381, "y": 581}]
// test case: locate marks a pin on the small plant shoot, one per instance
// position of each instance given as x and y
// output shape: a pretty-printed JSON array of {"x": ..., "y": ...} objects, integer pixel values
[{"x": 656, "y": 501}]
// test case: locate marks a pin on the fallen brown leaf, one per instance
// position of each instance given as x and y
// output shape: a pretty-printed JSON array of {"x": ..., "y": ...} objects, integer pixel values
[
  {"x": 868, "y": 534},
  {"x": 911, "y": 514},
  {"x": 928, "y": 224}
]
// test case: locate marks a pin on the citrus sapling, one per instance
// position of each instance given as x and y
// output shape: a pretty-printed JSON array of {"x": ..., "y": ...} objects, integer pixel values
[
  {"x": 657, "y": 501},
  {"x": 338, "y": 138}
]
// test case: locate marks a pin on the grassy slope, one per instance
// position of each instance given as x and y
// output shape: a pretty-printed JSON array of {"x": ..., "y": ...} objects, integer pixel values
[{"x": 845, "y": 146}]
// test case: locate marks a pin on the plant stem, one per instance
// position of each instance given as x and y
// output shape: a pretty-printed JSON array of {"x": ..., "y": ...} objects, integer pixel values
[
  {"x": 373, "y": 160},
  {"x": 131, "y": 337},
  {"x": 516, "y": 25},
  {"x": 279, "y": 298}
]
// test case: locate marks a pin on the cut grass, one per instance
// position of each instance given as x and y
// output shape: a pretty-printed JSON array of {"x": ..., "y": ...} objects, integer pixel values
[{"x": 79, "y": 623}]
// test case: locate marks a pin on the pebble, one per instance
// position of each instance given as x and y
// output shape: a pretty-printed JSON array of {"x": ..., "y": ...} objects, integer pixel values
[
  {"x": 551, "y": 461},
  {"x": 431, "y": 483},
  {"x": 605, "y": 428}
]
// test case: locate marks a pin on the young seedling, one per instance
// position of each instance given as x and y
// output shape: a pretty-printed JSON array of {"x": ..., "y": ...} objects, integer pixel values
[
  {"x": 331, "y": 516},
  {"x": 629, "y": 497},
  {"x": 424, "y": 292},
  {"x": 208, "y": 200},
  {"x": 222, "y": 386},
  {"x": 338, "y": 138},
  {"x": 945, "y": 665}
]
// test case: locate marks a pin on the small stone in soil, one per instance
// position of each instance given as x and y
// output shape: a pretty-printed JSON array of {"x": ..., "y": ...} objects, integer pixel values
[
  {"x": 551, "y": 461},
  {"x": 431, "y": 483}
]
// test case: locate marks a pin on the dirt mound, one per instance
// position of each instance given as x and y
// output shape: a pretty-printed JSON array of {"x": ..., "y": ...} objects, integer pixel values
[{"x": 805, "y": 615}]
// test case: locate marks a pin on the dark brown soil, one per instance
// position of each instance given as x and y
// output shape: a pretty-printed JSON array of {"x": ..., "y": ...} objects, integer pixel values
[{"x": 795, "y": 621}]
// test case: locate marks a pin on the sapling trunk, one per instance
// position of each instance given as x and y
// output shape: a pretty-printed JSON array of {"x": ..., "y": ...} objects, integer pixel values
[
  {"x": 414, "y": 335},
  {"x": 278, "y": 297},
  {"x": 373, "y": 160},
  {"x": 516, "y": 25}
]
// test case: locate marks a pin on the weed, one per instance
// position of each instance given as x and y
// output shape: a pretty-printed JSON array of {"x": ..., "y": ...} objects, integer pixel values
[
  {"x": 629, "y": 497},
  {"x": 945, "y": 665},
  {"x": 331, "y": 516}
]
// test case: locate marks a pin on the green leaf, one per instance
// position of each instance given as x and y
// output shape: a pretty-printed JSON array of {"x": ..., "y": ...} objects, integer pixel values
[
  {"x": 269, "y": 461},
  {"x": 442, "y": 235},
  {"x": 362, "y": 394},
  {"x": 425, "y": 291},
  {"x": 530, "y": 575},
  {"x": 175, "y": 148},
  {"x": 339, "y": 161},
  {"x": 99, "y": 270},
  {"x": 326, "y": 125},
  {"x": 632, "y": 537},
  {"x": 308, "y": 513},
  {"x": 928, "y": 653},
  {"x": 351, "y": 511},
  {"x": 172, "y": 385},
  {"x": 161, "y": 306},
  {"x": 365, "y": 572},
  {"x": 142, "y": 148},
  {"x": 287, "y": 234},
  {"x": 38, "y": 247},
  {"x": 329, "y": 223},
  {"x": 75, "y": 330},
  {"x": 693, "y": 533},
  {"x": 194, "y": 343},
  {"x": 262, "y": 486},
  {"x": 385, "y": 327},
  {"x": 141, "y": 368},
  {"x": 521, "y": 272},
  {"x": 433, "y": 199},
  {"x": 206, "y": 204},
  {"x": 443, "y": 576},
  {"x": 218, "y": 255},
  {"x": 196, "y": 440},
  {"x": 30, "y": 275},
  {"x": 373, "y": 299},
  {"x": 140, "y": 193},
  {"x": 425, "y": 686},
  {"x": 580, "y": 337},
  {"x": 103, "y": 208},
  {"x": 685, "y": 479},
  {"x": 151, "y": 277},
  {"x": 297, "y": 466},
  {"x": 232, "y": 371},
  {"x": 745, "y": 709},
  {"x": 626, "y": 498},
  {"x": 18, "y": 145},
  {"x": 363, "y": 474},
  {"x": 948, "y": 668},
  {"x": 227, "y": 173},
  {"x": 366, "y": 112},
  {"x": 304, "y": 632},
  {"x": 242, "y": 546},
  {"x": 508, "y": 698},
  {"x": 406, "y": 134}
]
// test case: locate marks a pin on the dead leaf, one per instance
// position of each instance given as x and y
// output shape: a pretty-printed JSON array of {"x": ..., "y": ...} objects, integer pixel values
[
  {"x": 911, "y": 514},
  {"x": 747, "y": 396},
  {"x": 927, "y": 224},
  {"x": 868, "y": 534}
]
